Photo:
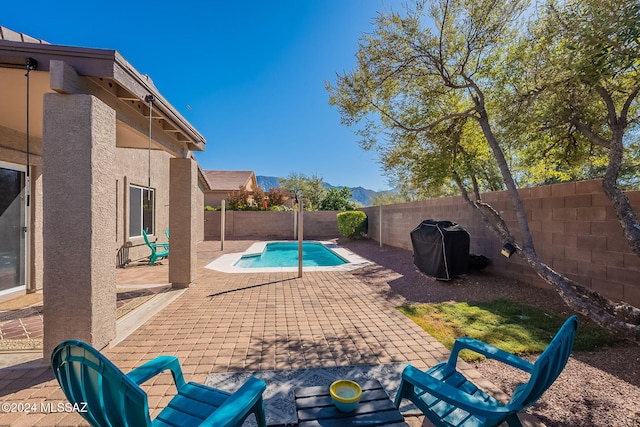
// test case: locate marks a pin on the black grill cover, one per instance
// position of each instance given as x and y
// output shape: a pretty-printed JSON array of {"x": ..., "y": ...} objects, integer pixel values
[{"x": 440, "y": 249}]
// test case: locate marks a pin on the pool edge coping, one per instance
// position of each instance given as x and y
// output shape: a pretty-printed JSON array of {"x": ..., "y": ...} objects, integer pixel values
[{"x": 225, "y": 263}]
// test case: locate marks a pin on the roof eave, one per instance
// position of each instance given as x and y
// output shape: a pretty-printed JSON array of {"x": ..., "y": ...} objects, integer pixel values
[
  {"x": 125, "y": 74},
  {"x": 106, "y": 64}
]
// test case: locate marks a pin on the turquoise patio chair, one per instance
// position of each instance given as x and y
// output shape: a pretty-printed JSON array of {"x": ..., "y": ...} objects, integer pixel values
[
  {"x": 115, "y": 399},
  {"x": 158, "y": 250},
  {"x": 448, "y": 398}
]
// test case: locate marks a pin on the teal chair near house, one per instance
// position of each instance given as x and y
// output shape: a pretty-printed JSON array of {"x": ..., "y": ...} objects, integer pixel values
[
  {"x": 108, "y": 397},
  {"x": 448, "y": 398},
  {"x": 158, "y": 250}
]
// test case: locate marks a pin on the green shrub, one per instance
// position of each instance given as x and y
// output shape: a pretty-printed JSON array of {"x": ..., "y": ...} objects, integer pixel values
[
  {"x": 352, "y": 224},
  {"x": 276, "y": 196},
  {"x": 210, "y": 208}
]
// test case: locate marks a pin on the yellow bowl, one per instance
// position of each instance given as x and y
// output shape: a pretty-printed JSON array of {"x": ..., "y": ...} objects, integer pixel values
[{"x": 345, "y": 394}]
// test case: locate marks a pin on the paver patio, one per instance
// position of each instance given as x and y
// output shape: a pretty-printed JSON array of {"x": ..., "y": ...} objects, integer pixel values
[{"x": 234, "y": 322}]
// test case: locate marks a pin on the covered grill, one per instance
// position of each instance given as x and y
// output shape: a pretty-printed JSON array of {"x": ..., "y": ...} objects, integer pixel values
[{"x": 440, "y": 249}]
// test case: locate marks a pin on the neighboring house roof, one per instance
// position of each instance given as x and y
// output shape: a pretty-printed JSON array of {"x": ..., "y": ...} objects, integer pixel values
[{"x": 230, "y": 180}]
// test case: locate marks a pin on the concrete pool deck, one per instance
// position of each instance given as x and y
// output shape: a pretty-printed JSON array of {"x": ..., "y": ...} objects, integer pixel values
[
  {"x": 245, "y": 322},
  {"x": 227, "y": 262}
]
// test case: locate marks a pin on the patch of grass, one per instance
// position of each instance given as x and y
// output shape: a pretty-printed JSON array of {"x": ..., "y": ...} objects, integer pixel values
[{"x": 511, "y": 326}]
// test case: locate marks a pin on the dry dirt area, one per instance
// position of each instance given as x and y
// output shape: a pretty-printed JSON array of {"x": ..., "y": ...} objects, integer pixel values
[{"x": 598, "y": 388}]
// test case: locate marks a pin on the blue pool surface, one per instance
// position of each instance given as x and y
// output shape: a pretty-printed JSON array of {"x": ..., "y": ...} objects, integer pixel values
[{"x": 285, "y": 254}]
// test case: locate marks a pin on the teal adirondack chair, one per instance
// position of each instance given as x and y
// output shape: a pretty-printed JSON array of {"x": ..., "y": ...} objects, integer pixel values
[
  {"x": 158, "y": 250},
  {"x": 115, "y": 399},
  {"x": 448, "y": 398}
]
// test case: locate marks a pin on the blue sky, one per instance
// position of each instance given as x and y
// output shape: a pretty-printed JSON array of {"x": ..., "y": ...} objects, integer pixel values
[{"x": 249, "y": 75}]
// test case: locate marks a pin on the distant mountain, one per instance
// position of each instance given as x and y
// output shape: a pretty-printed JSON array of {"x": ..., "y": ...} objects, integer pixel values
[
  {"x": 360, "y": 194},
  {"x": 266, "y": 182}
]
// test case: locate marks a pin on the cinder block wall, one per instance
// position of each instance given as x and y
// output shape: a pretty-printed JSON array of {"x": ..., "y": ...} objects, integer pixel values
[
  {"x": 244, "y": 224},
  {"x": 574, "y": 226},
  {"x": 321, "y": 224}
]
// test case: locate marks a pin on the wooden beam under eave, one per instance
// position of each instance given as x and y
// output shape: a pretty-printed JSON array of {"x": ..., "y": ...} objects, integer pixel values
[
  {"x": 64, "y": 79},
  {"x": 138, "y": 106},
  {"x": 115, "y": 89},
  {"x": 141, "y": 124},
  {"x": 130, "y": 79},
  {"x": 195, "y": 146},
  {"x": 167, "y": 127},
  {"x": 183, "y": 138},
  {"x": 125, "y": 95},
  {"x": 147, "y": 110},
  {"x": 131, "y": 113}
]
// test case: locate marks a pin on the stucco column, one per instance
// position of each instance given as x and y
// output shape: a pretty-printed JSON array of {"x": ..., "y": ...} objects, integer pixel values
[
  {"x": 183, "y": 205},
  {"x": 79, "y": 141}
]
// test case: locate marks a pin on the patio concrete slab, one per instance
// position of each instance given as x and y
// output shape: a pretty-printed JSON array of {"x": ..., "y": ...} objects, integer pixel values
[{"x": 244, "y": 322}]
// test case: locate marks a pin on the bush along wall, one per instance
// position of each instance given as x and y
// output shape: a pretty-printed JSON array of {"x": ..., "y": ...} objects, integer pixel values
[{"x": 352, "y": 224}]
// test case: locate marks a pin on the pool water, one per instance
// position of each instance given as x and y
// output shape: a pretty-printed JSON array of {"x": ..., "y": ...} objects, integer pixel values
[{"x": 285, "y": 254}]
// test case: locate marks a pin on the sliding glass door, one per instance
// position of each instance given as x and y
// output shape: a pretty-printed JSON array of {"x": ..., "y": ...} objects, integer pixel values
[{"x": 12, "y": 227}]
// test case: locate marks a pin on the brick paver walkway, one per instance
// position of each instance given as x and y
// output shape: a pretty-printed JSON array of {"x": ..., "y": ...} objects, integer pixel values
[
  {"x": 235, "y": 322},
  {"x": 21, "y": 324},
  {"x": 22, "y": 329}
]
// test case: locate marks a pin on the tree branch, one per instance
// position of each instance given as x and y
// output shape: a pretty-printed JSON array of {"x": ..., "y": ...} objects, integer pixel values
[
  {"x": 628, "y": 102},
  {"x": 589, "y": 133},
  {"x": 611, "y": 106},
  {"x": 471, "y": 84},
  {"x": 445, "y": 13},
  {"x": 430, "y": 126},
  {"x": 490, "y": 217}
]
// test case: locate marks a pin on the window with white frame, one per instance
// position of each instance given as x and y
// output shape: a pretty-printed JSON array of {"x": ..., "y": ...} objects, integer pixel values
[{"x": 141, "y": 210}]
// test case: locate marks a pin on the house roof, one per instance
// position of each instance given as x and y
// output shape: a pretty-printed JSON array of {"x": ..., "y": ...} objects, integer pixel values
[
  {"x": 7, "y": 34},
  {"x": 99, "y": 72},
  {"x": 229, "y": 180}
]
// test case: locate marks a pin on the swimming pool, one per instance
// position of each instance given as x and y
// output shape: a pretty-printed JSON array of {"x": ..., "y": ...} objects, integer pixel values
[
  {"x": 285, "y": 254},
  {"x": 228, "y": 263}
]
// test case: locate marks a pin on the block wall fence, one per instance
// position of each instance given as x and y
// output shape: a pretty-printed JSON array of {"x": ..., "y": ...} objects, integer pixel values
[
  {"x": 246, "y": 224},
  {"x": 574, "y": 227}
]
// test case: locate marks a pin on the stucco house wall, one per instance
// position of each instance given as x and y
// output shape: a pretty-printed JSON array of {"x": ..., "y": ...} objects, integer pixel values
[
  {"x": 95, "y": 125},
  {"x": 214, "y": 199},
  {"x": 132, "y": 169}
]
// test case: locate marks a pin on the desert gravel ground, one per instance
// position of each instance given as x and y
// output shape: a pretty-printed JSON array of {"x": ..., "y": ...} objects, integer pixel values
[{"x": 598, "y": 388}]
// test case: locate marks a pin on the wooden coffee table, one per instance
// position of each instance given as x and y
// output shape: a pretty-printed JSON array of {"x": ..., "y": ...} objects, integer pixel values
[{"x": 316, "y": 409}]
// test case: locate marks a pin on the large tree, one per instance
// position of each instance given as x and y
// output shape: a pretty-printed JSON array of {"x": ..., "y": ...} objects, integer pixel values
[
  {"x": 309, "y": 189},
  {"x": 584, "y": 86},
  {"x": 432, "y": 78},
  {"x": 337, "y": 199}
]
